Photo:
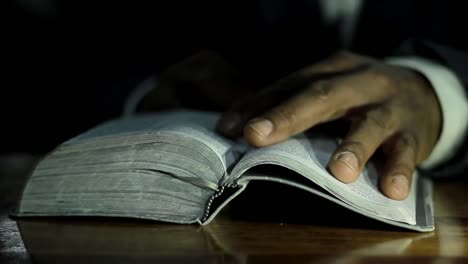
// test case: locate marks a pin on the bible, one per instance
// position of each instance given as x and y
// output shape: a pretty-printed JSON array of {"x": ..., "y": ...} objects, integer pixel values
[{"x": 174, "y": 167}]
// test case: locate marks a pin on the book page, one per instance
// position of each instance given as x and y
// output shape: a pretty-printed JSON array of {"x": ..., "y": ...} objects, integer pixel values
[
  {"x": 142, "y": 194},
  {"x": 196, "y": 125},
  {"x": 309, "y": 157}
]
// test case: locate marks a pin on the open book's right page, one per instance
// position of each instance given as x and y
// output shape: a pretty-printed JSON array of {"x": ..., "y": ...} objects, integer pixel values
[{"x": 309, "y": 157}]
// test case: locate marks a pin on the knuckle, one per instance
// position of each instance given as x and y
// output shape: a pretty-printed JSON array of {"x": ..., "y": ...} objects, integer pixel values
[
  {"x": 407, "y": 140},
  {"x": 382, "y": 118},
  {"x": 321, "y": 90},
  {"x": 381, "y": 78},
  {"x": 403, "y": 167},
  {"x": 286, "y": 116}
]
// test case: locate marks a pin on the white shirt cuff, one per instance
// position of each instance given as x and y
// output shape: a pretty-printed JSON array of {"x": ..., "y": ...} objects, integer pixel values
[{"x": 454, "y": 105}]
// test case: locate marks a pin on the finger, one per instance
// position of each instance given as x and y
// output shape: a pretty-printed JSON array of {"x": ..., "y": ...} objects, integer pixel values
[
  {"x": 399, "y": 168},
  {"x": 232, "y": 122},
  {"x": 365, "y": 137},
  {"x": 323, "y": 101}
]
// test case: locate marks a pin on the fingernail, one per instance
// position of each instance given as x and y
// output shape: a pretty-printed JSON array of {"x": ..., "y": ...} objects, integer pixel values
[
  {"x": 401, "y": 184},
  {"x": 262, "y": 126},
  {"x": 349, "y": 159}
]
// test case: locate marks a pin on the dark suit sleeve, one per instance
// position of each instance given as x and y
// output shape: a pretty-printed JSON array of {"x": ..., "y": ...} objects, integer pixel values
[{"x": 456, "y": 59}]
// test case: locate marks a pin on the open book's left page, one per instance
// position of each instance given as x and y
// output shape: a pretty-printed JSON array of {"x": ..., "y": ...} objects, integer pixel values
[{"x": 162, "y": 166}]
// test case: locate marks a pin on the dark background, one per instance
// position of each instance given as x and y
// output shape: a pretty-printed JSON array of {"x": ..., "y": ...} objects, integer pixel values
[{"x": 68, "y": 65}]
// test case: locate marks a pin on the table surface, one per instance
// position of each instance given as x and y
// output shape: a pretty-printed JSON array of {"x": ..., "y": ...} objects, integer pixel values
[{"x": 265, "y": 236}]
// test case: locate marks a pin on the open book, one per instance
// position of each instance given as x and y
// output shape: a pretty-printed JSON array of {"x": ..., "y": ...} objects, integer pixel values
[{"x": 173, "y": 167}]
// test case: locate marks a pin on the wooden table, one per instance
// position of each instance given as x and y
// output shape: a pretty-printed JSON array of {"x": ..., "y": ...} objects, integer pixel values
[{"x": 258, "y": 236}]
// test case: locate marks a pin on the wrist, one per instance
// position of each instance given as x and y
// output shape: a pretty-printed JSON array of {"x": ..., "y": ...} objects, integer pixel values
[{"x": 452, "y": 102}]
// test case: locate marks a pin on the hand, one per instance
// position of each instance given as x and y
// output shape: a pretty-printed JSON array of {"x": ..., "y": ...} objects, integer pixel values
[
  {"x": 389, "y": 107},
  {"x": 203, "y": 81}
]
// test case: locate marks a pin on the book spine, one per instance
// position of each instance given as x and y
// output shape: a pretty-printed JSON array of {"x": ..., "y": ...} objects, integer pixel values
[{"x": 215, "y": 195}]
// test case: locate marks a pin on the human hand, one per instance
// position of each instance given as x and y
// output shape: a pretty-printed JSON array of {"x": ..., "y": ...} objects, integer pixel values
[
  {"x": 204, "y": 81},
  {"x": 389, "y": 107}
]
